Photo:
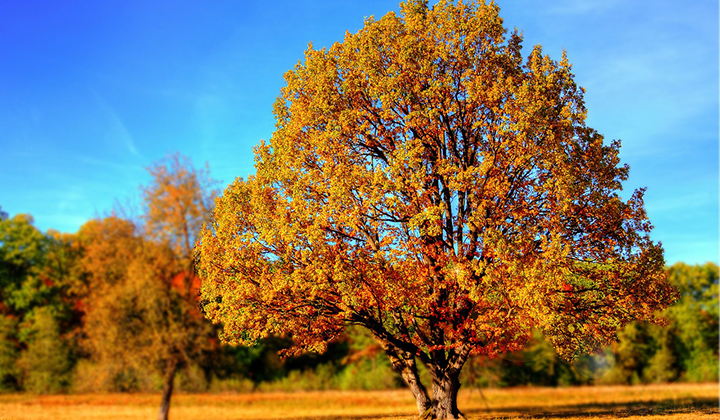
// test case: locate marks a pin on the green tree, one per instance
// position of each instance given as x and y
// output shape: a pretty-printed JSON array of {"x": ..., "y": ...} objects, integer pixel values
[
  {"x": 687, "y": 349},
  {"x": 366, "y": 366},
  {"x": 662, "y": 365},
  {"x": 47, "y": 361},
  {"x": 10, "y": 376},
  {"x": 695, "y": 320},
  {"x": 428, "y": 183},
  {"x": 38, "y": 279},
  {"x": 537, "y": 364},
  {"x": 632, "y": 352},
  {"x": 22, "y": 254},
  {"x": 23, "y": 250}
]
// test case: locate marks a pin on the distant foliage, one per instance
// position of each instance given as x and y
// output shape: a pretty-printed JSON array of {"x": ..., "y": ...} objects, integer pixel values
[
  {"x": 10, "y": 375},
  {"x": 39, "y": 317},
  {"x": 84, "y": 276},
  {"x": 80, "y": 328},
  {"x": 687, "y": 349},
  {"x": 47, "y": 361},
  {"x": 142, "y": 311}
]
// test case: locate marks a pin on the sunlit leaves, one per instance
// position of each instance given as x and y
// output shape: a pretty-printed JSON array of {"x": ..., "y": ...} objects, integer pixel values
[
  {"x": 177, "y": 202},
  {"x": 428, "y": 183}
]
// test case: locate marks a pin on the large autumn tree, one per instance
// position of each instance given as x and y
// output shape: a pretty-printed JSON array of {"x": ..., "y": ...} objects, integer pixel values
[{"x": 428, "y": 183}]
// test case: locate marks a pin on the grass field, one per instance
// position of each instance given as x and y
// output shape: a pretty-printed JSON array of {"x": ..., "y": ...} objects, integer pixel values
[{"x": 673, "y": 401}]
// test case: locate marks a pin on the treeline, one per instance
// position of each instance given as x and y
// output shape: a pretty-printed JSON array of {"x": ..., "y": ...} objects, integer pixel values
[{"x": 113, "y": 308}]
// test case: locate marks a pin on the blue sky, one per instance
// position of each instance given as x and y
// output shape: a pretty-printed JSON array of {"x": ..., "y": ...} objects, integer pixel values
[{"x": 92, "y": 92}]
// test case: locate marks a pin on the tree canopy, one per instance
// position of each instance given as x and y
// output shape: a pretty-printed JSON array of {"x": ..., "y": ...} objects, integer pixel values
[
  {"x": 427, "y": 182},
  {"x": 144, "y": 311}
]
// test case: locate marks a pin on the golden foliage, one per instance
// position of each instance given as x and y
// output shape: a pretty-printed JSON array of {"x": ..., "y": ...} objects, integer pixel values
[{"x": 428, "y": 183}]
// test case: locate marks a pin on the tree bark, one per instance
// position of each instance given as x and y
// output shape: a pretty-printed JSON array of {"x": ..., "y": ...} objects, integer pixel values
[
  {"x": 167, "y": 390},
  {"x": 445, "y": 392},
  {"x": 406, "y": 366},
  {"x": 445, "y": 382}
]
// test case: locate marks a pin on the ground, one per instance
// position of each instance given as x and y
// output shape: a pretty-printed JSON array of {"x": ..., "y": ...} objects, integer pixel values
[{"x": 670, "y": 401}]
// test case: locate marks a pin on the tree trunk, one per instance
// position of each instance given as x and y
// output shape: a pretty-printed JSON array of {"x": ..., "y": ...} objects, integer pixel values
[
  {"x": 445, "y": 392},
  {"x": 445, "y": 386},
  {"x": 167, "y": 390},
  {"x": 407, "y": 368}
]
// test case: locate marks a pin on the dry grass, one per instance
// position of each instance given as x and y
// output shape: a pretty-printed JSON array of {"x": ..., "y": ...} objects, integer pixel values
[{"x": 674, "y": 401}]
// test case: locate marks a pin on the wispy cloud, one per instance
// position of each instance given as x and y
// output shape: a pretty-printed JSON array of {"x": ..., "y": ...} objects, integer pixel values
[
  {"x": 118, "y": 167},
  {"x": 117, "y": 130}
]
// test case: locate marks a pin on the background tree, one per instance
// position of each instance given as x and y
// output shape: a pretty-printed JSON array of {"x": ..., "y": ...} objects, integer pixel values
[
  {"x": 10, "y": 376},
  {"x": 110, "y": 246},
  {"x": 178, "y": 202},
  {"x": 687, "y": 349},
  {"x": 662, "y": 365},
  {"x": 429, "y": 184},
  {"x": 23, "y": 251},
  {"x": 696, "y": 318},
  {"x": 47, "y": 361},
  {"x": 138, "y": 324},
  {"x": 144, "y": 310},
  {"x": 20, "y": 243},
  {"x": 37, "y": 283}
]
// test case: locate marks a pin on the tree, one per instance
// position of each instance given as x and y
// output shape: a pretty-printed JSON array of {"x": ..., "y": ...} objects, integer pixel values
[
  {"x": 37, "y": 290},
  {"x": 47, "y": 361},
  {"x": 143, "y": 323},
  {"x": 112, "y": 325},
  {"x": 144, "y": 310},
  {"x": 23, "y": 250},
  {"x": 9, "y": 354},
  {"x": 429, "y": 184},
  {"x": 695, "y": 320},
  {"x": 177, "y": 203}
]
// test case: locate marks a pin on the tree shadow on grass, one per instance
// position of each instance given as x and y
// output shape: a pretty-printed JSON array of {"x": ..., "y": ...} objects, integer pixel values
[{"x": 697, "y": 406}]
